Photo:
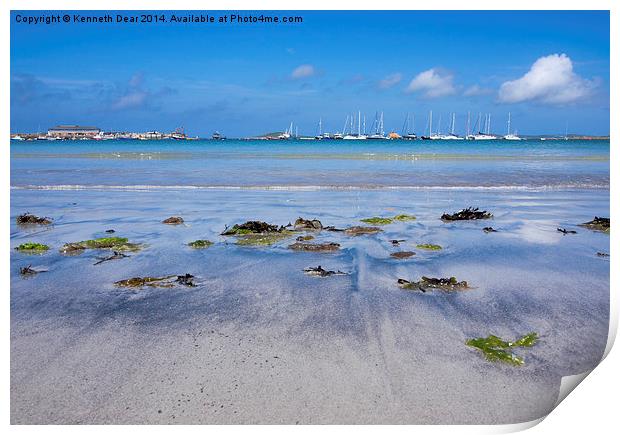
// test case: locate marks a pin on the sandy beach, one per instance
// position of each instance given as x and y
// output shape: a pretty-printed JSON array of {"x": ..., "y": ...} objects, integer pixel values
[{"x": 259, "y": 341}]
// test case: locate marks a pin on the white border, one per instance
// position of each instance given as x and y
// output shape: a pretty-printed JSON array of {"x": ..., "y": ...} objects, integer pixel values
[{"x": 593, "y": 407}]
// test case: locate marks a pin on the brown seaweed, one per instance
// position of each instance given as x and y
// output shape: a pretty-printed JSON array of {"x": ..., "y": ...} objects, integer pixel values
[
  {"x": 402, "y": 254},
  {"x": 168, "y": 281},
  {"x": 467, "y": 214},
  {"x": 307, "y": 225},
  {"x": 319, "y": 271},
  {"x": 565, "y": 231},
  {"x": 173, "y": 220},
  {"x": 361, "y": 230},
  {"x": 30, "y": 219},
  {"x": 115, "y": 256},
  {"x": 425, "y": 284}
]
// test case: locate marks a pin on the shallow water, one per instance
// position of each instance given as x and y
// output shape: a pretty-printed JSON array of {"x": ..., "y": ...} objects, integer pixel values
[{"x": 406, "y": 345}]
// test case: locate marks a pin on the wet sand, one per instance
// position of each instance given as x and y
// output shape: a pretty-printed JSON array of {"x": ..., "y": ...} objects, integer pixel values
[{"x": 257, "y": 341}]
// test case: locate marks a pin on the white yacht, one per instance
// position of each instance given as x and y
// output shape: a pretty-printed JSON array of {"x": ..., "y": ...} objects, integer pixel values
[
  {"x": 358, "y": 135},
  {"x": 487, "y": 130},
  {"x": 511, "y": 136}
]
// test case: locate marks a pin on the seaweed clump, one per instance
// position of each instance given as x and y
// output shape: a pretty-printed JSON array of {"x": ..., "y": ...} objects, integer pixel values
[
  {"x": 467, "y": 214},
  {"x": 173, "y": 220},
  {"x": 200, "y": 244},
  {"x": 251, "y": 227},
  {"x": 426, "y": 284},
  {"x": 359, "y": 230},
  {"x": 257, "y": 233},
  {"x": 168, "y": 281},
  {"x": 320, "y": 272},
  {"x": 115, "y": 243},
  {"x": 307, "y": 225},
  {"x": 115, "y": 256},
  {"x": 30, "y": 219},
  {"x": 29, "y": 271},
  {"x": 402, "y": 254},
  {"x": 428, "y": 247},
  {"x": 496, "y": 349},
  {"x": 598, "y": 224},
  {"x": 314, "y": 247},
  {"x": 32, "y": 248}
]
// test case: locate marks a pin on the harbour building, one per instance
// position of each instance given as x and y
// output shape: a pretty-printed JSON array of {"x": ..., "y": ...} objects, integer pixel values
[{"x": 73, "y": 131}]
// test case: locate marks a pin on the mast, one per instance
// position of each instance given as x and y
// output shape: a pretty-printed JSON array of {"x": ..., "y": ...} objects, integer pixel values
[
  {"x": 468, "y": 124},
  {"x": 453, "y": 119},
  {"x": 489, "y": 127},
  {"x": 359, "y": 122},
  {"x": 344, "y": 127},
  {"x": 508, "y": 124},
  {"x": 430, "y": 124}
]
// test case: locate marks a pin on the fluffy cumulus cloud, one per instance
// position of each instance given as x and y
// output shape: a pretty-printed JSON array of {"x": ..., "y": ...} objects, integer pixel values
[
  {"x": 303, "y": 71},
  {"x": 550, "y": 80},
  {"x": 433, "y": 83},
  {"x": 390, "y": 80}
]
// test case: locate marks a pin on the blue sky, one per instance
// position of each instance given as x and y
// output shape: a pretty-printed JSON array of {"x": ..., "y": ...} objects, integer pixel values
[{"x": 549, "y": 69}]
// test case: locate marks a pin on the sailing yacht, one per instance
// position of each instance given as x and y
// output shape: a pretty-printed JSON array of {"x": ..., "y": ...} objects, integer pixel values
[
  {"x": 287, "y": 134},
  {"x": 379, "y": 133},
  {"x": 408, "y": 129},
  {"x": 487, "y": 129},
  {"x": 511, "y": 136},
  {"x": 358, "y": 135},
  {"x": 451, "y": 136},
  {"x": 432, "y": 136},
  {"x": 320, "y": 136}
]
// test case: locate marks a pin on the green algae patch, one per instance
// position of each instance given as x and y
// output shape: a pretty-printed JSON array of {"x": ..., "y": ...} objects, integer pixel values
[
  {"x": 32, "y": 248},
  {"x": 377, "y": 221},
  {"x": 429, "y": 247},
  {"x": 115, "y": 243},
  {"x": 388, "y": 220},
  {"x": 265, "y": 239},
  {"x": 404, "y": 217},
  {"x": 200, "y": 244},
  {"x": 497, "y": 349}
]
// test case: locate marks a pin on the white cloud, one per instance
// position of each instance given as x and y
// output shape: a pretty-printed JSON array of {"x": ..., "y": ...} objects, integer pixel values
[
  {"x": 433, "y": 82},
  {"x": 476, "y": 90},
  {"x": 303, "y": 71},
  {"x": 550, "y": 80},
  {"x": 390, "y": 80}
]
